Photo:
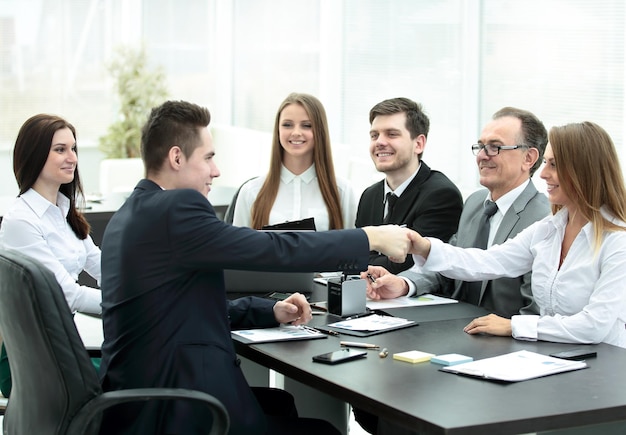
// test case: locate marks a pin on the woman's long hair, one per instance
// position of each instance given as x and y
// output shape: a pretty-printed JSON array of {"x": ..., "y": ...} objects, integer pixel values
[
  {"x": 589, "y": 171},
  {"x": 322, "y": 157},
  {"x": 32, "y": 148}
]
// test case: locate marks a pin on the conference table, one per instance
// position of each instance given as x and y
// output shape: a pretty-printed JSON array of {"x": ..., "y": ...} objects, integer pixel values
[{"x": 425, "y": 399}]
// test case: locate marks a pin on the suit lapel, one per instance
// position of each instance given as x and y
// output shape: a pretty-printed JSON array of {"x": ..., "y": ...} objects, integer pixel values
[{"x": 512, "y": 215}]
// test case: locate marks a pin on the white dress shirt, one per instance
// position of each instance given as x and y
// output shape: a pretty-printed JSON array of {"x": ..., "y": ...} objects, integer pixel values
[
  {"x": 399, "y": 190},
  {"x": 299, "y": 197},
  {"x": 582, "y": 302},
  {"x": 39, "y": 229}
]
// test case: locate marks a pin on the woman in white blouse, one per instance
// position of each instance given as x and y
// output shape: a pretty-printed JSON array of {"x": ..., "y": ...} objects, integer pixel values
[
  {"x": 577, "y": 256},
  {"x": 43, "y": 221},
  {"x": 301, "y": 181}
]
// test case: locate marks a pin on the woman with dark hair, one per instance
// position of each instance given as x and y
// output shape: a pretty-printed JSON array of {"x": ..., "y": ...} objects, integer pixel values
[
  {"x": 43, "y": 222},
  {"x": 576, "y": 256},
  {"x": 301, "y": 181}
]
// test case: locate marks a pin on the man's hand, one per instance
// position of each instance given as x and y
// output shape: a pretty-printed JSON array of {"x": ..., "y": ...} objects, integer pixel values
[
  {"x": 419, "y": 245},
  {"x": 381, "y": 284},
  {"x": 490, "y": 324},
  {"x": 391, "y": 240},
  {"x": 295, "y": 310}
]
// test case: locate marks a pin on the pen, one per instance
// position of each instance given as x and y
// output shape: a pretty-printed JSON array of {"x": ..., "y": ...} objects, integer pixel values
[
  {"x": 357, "y": 316},
  {"x": 371, "y": 277},
  {"x": 357, "y": 344},
  {"x": 323, "y": 331}
]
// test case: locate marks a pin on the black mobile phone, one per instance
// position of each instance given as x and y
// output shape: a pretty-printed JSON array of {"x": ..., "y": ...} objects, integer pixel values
[
  {"x": 575, "y": 354},
  {"x": 281, "y": 296},
  {"x": 278, "y": 296},
  {"x": 340, "y": 356}
]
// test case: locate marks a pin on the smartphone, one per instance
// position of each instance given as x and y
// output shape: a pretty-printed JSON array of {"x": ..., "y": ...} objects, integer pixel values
[
  {"x": 340, "y": 356},
  {"x": 278, "y": 296},
  {"x": 575, "y": 354},
  {"x": 281, "y": 296}
]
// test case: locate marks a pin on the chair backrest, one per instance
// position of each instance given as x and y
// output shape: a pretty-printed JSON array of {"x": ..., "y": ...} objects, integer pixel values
[
  {"x": 52, "y": 374},
  {"x": 230, "y": 211}
]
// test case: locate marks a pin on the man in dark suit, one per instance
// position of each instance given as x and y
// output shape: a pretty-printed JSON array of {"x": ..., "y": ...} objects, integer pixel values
[
  {"x": 411, "y": 193},
  {"x": 506, "y": 174},
  {"x": 166, "y": 318}
]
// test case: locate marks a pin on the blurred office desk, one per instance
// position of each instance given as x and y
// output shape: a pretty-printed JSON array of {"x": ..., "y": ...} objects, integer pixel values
[
  {"x": 98, "y": 214},
  {"x": 90, "y": 331},
  {"x": 422, "y": 398}
]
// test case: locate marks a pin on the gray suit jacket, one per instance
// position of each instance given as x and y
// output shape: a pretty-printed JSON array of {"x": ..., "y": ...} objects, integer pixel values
[{"x": 505, "y": 296}]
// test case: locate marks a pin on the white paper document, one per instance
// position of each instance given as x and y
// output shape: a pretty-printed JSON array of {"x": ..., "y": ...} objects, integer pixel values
[
  {"x": 279, "y": 333},
  {"x": 406, "y": 301},
  {"x": 515, "y": 366},
  {"x": 374, "y": 322}
]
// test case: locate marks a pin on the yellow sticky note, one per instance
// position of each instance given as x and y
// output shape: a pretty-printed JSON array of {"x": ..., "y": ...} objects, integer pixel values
[{"x": 413, "y": 356}]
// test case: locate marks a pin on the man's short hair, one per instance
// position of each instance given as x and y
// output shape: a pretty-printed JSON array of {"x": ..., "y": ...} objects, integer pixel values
[
  {"x": 174, "y": 123},
  {"x": 416, "y": 120},
  {"x": 534, "y": 133}
]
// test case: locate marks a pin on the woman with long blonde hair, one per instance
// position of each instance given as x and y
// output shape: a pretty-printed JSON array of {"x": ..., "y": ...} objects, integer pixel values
[{"x": 576, "y": 256}]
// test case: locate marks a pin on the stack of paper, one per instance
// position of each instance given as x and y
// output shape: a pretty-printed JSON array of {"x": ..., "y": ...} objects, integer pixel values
[
  {"x": 516, "y": 366},
  {"x": 279, "y": 333},
  {"x": 374, "y": 322}
]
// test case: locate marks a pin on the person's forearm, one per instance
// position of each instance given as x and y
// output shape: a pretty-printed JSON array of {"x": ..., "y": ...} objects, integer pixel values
[{"x": 420, "y": 245}]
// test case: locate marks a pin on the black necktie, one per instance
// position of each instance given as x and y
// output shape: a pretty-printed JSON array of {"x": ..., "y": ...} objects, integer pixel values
[
  {"x": 472, "y": 289},
  {"x": 391, "y": 202}
]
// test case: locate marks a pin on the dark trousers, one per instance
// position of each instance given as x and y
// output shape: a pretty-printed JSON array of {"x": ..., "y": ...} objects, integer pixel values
[
  {"x": 282, "y": 415},
  {"x": 373, "y": 424}
]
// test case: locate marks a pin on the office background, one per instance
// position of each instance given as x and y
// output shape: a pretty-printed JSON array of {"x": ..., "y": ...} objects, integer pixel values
[{"x": 462, "y": 59}]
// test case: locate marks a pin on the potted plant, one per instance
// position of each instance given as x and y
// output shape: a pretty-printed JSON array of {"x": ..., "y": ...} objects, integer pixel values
[{"x": 139, "y": 87}]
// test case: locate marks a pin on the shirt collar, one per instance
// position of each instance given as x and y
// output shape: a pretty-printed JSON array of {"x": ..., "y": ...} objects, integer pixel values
[
  {"x": 40, "y": 205},
  {"x": 401, "y": 188},
  {"x": 506, "y": 201},
  {"x": 307, "y": 176}
]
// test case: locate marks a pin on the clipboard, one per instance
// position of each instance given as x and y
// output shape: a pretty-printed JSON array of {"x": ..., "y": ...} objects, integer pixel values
[
  {"x": 351, "y": 326},
  {"x": 307, "y": 224}
]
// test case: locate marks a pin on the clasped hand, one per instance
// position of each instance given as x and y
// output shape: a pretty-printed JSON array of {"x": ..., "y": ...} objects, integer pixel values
[{"x": 295, "y": 310}]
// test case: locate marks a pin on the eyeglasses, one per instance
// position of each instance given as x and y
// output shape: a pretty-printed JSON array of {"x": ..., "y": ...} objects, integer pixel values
[{"x": 493, "y": 150}]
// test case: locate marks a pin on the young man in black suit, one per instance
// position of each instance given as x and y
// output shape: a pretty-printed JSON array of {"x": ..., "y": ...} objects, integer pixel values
[
  {"x": 411, "y": 194},
  {"x": 166, "y": 318}
]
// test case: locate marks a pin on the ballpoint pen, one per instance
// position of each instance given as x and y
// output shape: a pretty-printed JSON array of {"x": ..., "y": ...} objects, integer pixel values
[
  {"x": 357, "y": 316},
  {"x": 323, "y": 331},
  {"x": 357, "y": 344}
]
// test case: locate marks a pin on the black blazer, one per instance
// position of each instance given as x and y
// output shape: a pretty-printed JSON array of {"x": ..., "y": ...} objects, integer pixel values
[
  {"x": 166, "y": 318},
  {"x": 431, "y": 205}
]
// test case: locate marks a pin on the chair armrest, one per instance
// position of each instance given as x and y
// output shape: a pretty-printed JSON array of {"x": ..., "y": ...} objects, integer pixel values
[{"x": 93, "y": 408}]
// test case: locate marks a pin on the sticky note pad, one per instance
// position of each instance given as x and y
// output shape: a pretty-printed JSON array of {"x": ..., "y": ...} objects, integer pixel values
[
  {"x": 451, "y": 359},
  {"x": 413, "y": 356}
]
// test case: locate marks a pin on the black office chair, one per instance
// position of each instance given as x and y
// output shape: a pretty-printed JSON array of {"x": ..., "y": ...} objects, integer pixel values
[
  {"x": 55, "y": 386},
  {"x": 230, "y": 211}
]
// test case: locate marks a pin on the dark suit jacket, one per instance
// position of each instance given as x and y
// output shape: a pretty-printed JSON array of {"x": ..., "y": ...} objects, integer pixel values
[
  {"x": 166, "y": 318},
  {"x": 505, "y": 296},
  {"x": 431, "y": 205}
]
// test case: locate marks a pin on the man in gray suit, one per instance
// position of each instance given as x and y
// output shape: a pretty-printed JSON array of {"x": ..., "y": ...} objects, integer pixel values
[{"x": 509, "y": 151}]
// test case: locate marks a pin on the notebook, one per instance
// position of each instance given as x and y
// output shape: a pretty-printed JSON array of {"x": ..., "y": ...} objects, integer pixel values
[{"x": 240, "y": 283}]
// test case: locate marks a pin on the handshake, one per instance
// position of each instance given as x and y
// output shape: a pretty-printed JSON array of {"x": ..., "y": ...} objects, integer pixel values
[{"x": 396, "y": 242}]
